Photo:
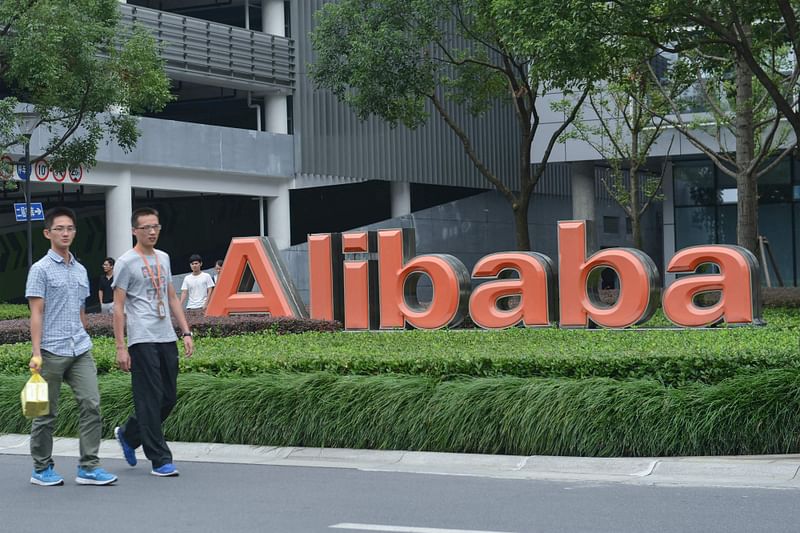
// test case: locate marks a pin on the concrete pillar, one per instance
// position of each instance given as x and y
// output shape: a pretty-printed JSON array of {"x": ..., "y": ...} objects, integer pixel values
[
  {"x": 583, "y": 201},
  {"x": 276, "y": 110},
  {"x": 583, "y": 191},
  {"x": 279, "y": 220},
  {"x": 119, "y": 238},
  {"x": 273, "y": 19},
  {"x": 401, "y": 198}
]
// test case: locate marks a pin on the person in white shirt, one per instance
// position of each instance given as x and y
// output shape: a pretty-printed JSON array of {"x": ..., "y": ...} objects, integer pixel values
[{"x": 196, "y": 286}]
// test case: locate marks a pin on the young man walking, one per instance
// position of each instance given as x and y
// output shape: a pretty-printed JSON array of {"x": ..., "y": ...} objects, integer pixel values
[
  {"x": 143, "y": 299},
  {"x": 196, "y": 286},
  {"x": 57, "y": 289}
]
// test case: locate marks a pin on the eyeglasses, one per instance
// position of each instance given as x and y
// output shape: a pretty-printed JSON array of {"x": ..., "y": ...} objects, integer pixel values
[
  {"x": 150, "y": 227},
  {"x": 63, "y": 229}
]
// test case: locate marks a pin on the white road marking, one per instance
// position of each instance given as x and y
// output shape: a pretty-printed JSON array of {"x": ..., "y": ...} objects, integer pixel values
[{"x": 407, "y": 529}]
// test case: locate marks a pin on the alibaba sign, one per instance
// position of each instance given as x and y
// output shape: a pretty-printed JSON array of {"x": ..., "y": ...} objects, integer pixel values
[{"x": 368, "y": 280}]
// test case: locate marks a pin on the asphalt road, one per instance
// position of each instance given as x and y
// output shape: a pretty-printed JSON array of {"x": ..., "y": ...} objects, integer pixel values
[{"x": 230, "y": 498}]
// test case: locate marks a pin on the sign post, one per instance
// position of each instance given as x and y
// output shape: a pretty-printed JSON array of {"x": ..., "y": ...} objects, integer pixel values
[{"x": 28, "y": 198}]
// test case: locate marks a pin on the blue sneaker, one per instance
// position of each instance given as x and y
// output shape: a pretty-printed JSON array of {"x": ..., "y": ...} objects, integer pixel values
[
  {"x": 127, "y": 451},
  {"x": 47, "y": 477},
  {"x": 98, "y": 476},
  {"x": 166, "y": 470}
]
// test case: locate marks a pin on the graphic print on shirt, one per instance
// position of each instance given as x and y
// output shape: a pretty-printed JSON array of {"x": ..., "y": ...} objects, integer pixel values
[{"x": 151, "y": 288}]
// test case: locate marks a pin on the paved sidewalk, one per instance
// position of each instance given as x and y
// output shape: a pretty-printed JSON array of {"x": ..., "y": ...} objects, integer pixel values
[{"x": 773, "y": 471}]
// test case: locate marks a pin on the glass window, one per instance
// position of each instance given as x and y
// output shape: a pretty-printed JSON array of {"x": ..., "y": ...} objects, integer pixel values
[
  {"x": 776, "y": 185},
  {"x": 773, "y": 221},
  {"x": 611, "y": 225},
  {"x": 728, "y": 196},
  {"x": 694, "y": 225},
  {"x": 797, "y": 244},
  {"x": 694, "y": 184},
  {"x": 726, "y": 224}
]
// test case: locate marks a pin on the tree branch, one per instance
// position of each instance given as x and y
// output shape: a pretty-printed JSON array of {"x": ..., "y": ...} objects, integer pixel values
[{"x": 473, "y": 156}]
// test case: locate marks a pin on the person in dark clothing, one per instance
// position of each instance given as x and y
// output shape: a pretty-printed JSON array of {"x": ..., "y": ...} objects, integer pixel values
[{"x": 105, "y": 293}]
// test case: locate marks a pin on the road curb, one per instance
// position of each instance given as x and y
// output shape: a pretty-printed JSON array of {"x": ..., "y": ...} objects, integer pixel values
[{"x": 772, "y": 471}]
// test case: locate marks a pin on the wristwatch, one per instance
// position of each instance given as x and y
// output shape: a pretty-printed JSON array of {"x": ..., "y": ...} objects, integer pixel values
[{"x": 189, "y": 334}]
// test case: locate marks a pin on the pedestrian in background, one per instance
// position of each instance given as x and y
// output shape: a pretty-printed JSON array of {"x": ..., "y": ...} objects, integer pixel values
[
  {"x": 57, "y": 289},
  {"x": 217, "y": 270},
  {"x": 196, "y": 288},
  {"x": 104, "y": 292}
]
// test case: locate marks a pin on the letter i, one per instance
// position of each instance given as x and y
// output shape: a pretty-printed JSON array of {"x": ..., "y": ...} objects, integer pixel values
[{"x": 360, "y": 282}]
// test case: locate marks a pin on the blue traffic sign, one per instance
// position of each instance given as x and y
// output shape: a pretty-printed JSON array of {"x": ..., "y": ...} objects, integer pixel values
[
  {"x": 37, "y": 211},
  {"x": 22, "y": 171}
]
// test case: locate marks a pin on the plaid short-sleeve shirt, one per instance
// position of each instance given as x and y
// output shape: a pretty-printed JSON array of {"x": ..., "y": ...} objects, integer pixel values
[{"x": 64, "y": 286}]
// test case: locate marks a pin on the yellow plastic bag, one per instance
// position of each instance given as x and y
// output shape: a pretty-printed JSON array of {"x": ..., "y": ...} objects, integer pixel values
[{"x": 34, "y": 397}]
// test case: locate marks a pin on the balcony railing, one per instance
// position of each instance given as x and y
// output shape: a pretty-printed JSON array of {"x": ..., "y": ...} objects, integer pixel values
[{"x": 216, "y": 54}]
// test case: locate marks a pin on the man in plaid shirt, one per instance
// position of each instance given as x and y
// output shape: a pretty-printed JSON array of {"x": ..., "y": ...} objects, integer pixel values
[{"x": 56, "y": 290}]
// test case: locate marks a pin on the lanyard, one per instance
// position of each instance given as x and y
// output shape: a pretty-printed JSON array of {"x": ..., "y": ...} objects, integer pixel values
[{"x": 156, "y": 281}]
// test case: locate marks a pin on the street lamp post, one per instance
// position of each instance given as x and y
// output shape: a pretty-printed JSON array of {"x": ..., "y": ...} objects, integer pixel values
[{"x": 27, "y": 120}]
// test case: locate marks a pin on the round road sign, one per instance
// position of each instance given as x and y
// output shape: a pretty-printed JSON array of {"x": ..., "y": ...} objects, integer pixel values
[
  {"x": 41, "y": 170},
  {"x": 76, "y": 174}
]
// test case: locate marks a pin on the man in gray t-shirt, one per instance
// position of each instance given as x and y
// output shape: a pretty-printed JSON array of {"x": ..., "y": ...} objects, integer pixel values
[
  {"x": 141, "y": 305},
  {"x": 143, "y": 299}
]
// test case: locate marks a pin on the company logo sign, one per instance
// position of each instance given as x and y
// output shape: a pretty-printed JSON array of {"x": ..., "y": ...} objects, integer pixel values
[{"x": 369, "y": 280}]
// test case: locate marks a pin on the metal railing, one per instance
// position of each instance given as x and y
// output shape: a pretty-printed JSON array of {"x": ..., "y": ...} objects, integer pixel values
[{"x": 216, "y": 54}]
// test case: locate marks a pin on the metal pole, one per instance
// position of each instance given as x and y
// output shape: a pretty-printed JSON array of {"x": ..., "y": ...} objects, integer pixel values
[{"x": 28, "y": 199}]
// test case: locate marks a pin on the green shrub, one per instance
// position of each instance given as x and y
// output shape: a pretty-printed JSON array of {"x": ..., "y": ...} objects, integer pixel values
[
  {"x": 12, "y": 311},
  {"x": 671, "y": 357},
  {"x": 756, "y": 414}
]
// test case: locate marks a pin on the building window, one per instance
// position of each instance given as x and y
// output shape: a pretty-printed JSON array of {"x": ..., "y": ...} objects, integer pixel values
[
  {"x": 611, "y": 225},
  {"x": 706, "y": 203}
]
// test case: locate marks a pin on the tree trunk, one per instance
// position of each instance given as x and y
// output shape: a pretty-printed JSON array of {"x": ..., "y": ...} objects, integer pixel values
[
  {"x": 636, "y": 208},
  {"x": 523, "y": 238},
  {"x": 636, "y": 221},
  {"x": 746, "y": 182}
]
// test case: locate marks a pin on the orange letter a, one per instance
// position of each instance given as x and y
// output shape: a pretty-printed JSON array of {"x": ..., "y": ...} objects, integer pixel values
[{"x": 278, "y": 295}]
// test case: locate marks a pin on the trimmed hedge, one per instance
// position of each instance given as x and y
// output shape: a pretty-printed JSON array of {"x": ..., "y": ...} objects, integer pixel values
[
  {"x": 671, "y": 357},
  {"x": 757, "y": 414},
  {"x": 100, "y": 325},
  {"x": 12, "y": 311}
]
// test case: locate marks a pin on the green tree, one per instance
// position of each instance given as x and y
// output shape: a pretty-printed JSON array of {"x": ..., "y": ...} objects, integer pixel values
[
  {"x": 625, "y": 123},
  {"x": 405, "y": 60},
  {"x": 720, "y": 49},
  {"x": 764, "y": 35},
  {"x": 85, "y": 74}
]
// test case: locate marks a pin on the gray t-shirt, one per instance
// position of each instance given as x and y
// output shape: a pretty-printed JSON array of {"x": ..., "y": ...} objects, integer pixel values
[{"x": 141, "y": 306}]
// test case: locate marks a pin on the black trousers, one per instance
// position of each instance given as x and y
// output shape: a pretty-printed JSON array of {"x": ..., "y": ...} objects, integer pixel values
[{"x": 154, "y": 376}]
